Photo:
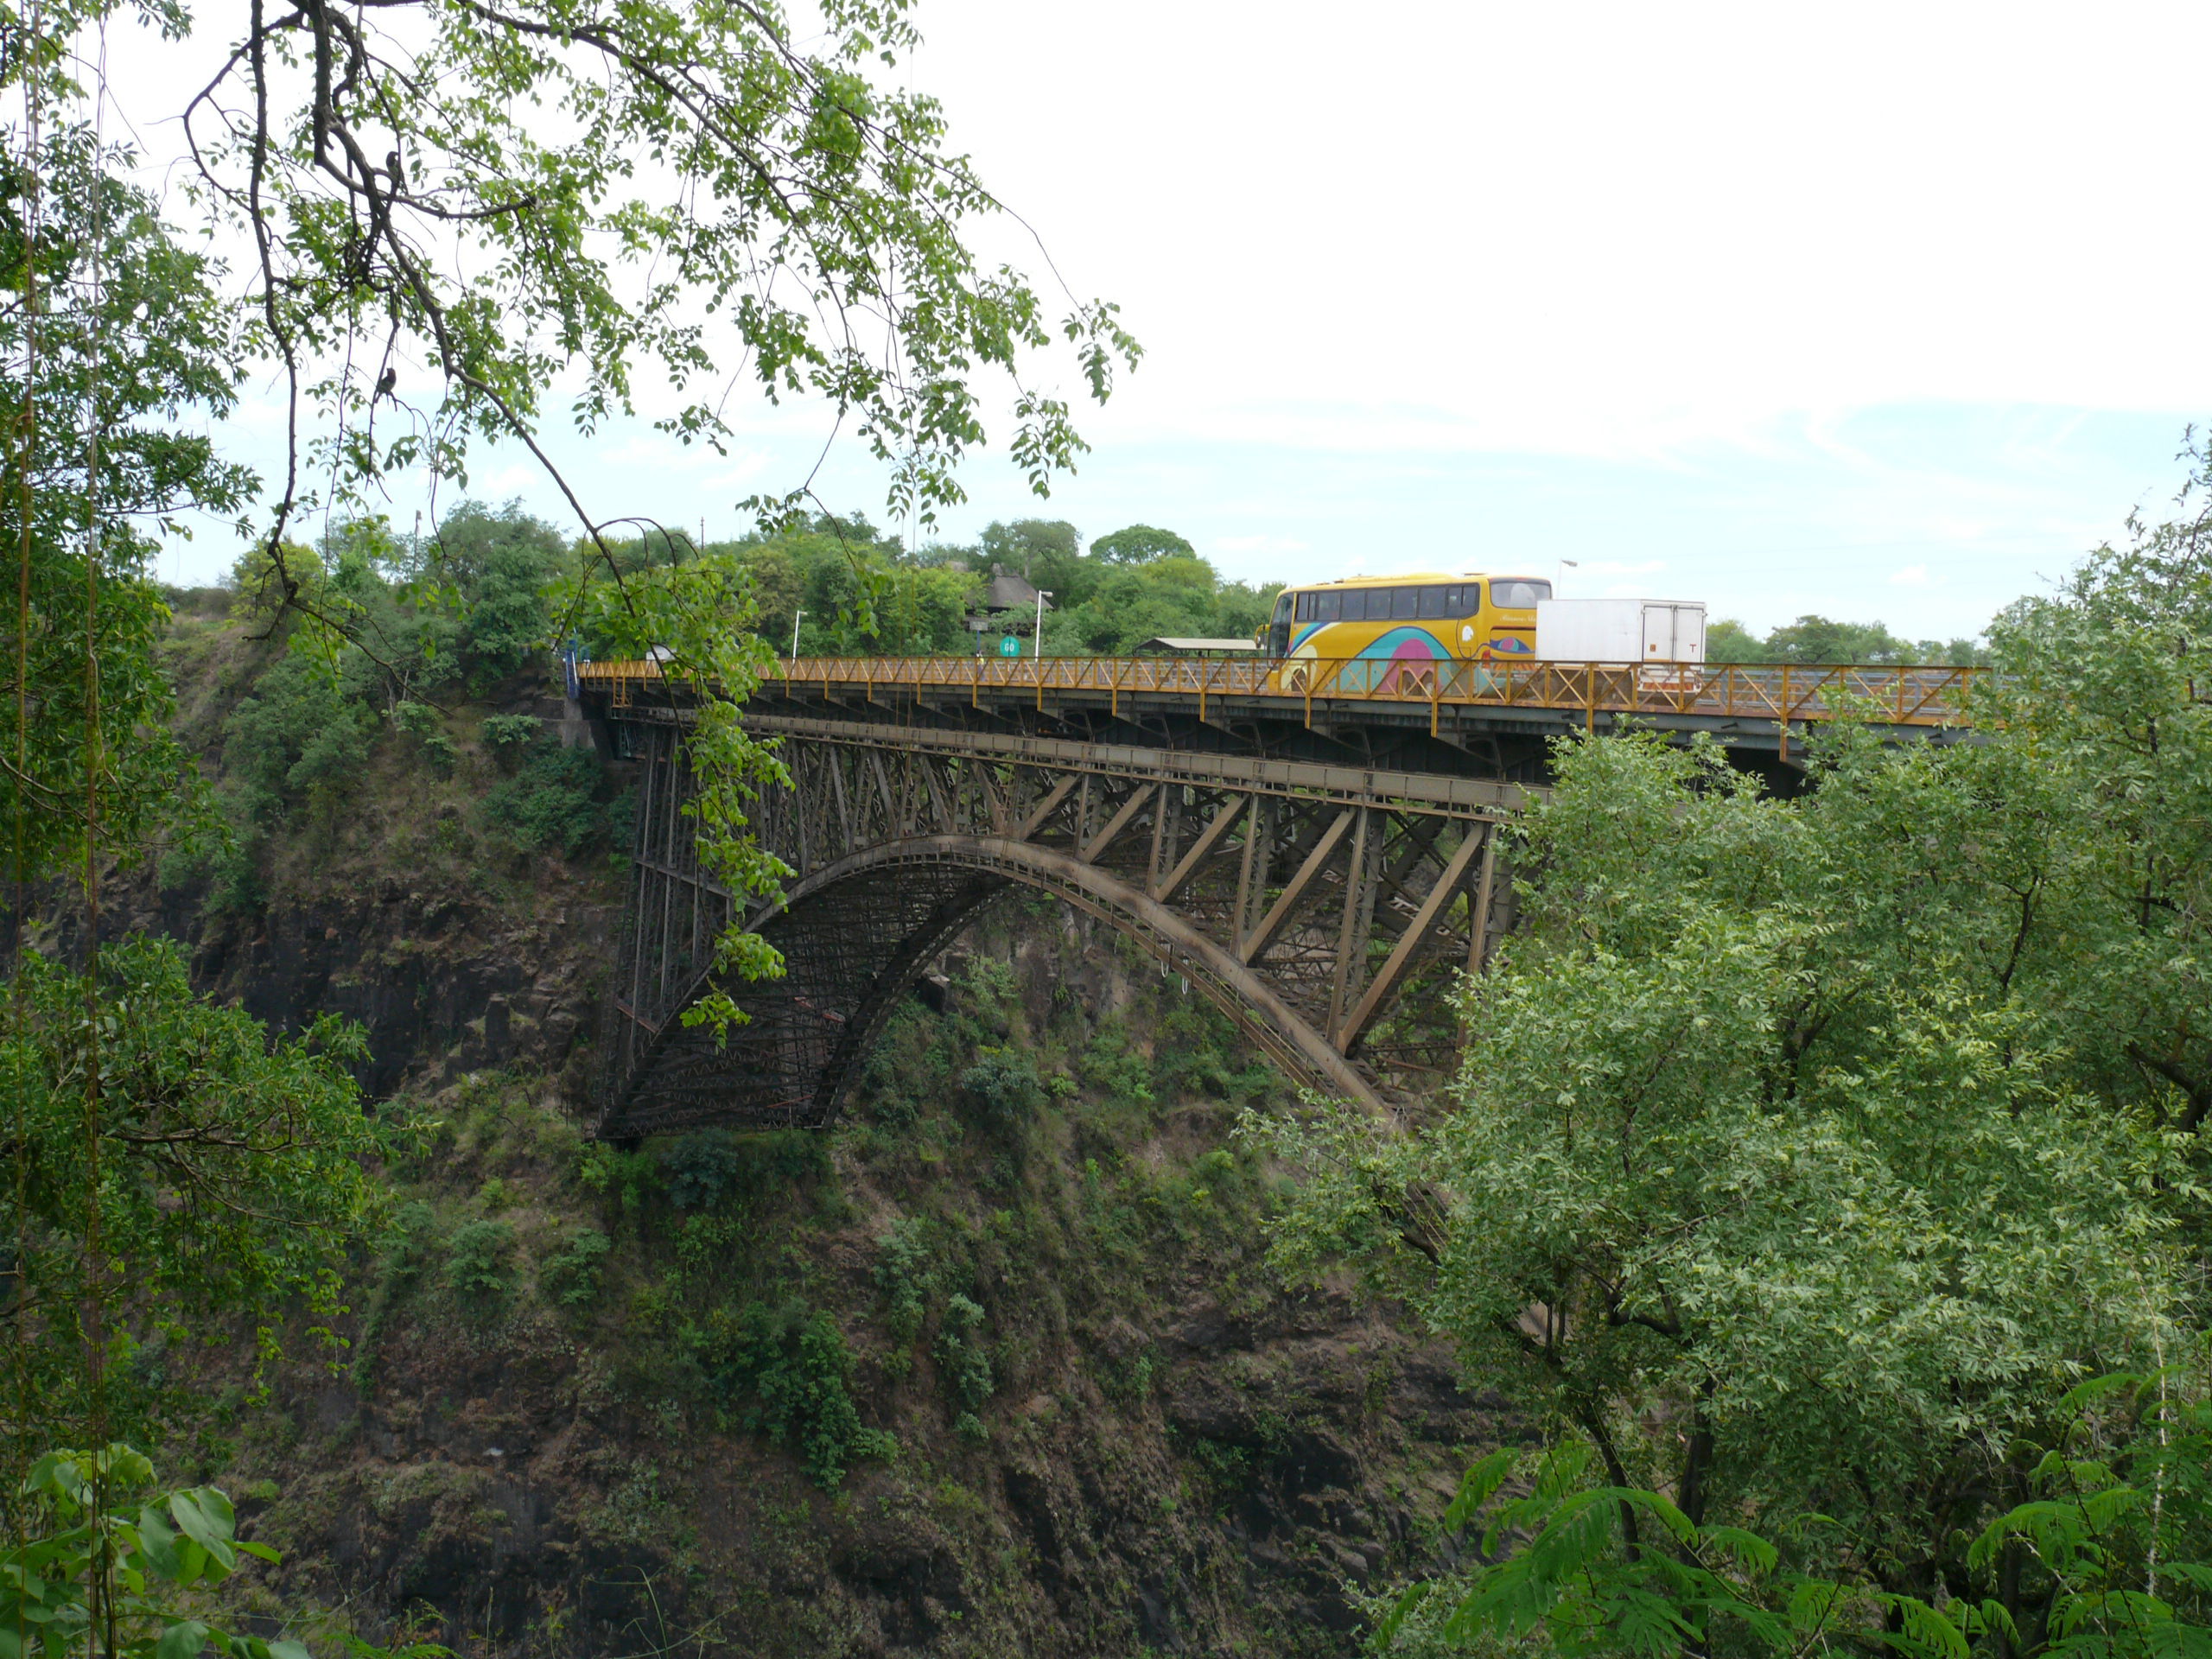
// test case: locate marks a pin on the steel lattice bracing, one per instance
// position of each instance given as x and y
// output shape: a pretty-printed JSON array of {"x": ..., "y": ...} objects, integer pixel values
[{"x": 1303, "y": 899}]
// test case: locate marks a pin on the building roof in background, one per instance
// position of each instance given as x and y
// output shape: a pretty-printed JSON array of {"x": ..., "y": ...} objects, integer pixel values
[{"x": 1005, "y": 592}]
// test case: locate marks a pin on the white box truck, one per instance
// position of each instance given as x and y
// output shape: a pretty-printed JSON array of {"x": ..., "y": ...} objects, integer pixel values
[{"x": 1620, "y": 630}]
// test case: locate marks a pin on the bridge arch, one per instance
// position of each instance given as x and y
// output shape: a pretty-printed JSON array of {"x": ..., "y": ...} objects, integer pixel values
[
  {"x": 856, "y": 934},
  {"x": 1299, "y": 899}
]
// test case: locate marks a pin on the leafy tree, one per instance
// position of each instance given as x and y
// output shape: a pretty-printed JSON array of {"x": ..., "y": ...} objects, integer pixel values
[
  {"x": 1172, "y": 594},
  {"x": 501, "y": 565},
  {"x": 228, "y": 1187},
  {"x": 1817, "y": 639},
  {"x": 1809, "y": 1151},
  {"x": 2108, "y": 1558},
  {"x": 1047, "y": 553},
  {"x": 1140, "y": 544},
  {"x": 105, "y": 1562},
  {"x": 859, "y": 593},
  {"x": 1727, "y": 640},
  {"x": 118, "y": 332},
  {"x": 415, "y": 196},
  {"x": 1028, "y": 545}
]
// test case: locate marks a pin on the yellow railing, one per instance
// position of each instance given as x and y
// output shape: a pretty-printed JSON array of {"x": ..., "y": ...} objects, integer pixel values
[{"x": 1902, "y": 695}]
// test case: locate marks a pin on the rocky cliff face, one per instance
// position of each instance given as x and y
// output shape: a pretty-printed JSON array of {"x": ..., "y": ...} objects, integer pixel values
[
  {"x": 1084, "y": 1418},
  {"x": 996, "y": 1366}
]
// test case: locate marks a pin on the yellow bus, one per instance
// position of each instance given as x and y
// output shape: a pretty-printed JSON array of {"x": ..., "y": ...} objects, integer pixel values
[{"x": 1392, "y": 624}]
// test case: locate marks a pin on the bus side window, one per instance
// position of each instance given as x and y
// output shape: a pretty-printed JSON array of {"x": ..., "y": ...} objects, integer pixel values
[
  {"x": 1470, "y": 598},
  {"x": 1355, "y": 606},
  {"x": 1305, "y": 608},
  {"x": 1325, "y": 606},
  {"x": 1435, "y": 602},
  {"x": 1405, "y": 603}
]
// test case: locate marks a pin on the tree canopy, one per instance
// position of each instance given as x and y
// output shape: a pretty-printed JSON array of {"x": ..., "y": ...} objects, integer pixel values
[{"x": 1814, "y": 1157}]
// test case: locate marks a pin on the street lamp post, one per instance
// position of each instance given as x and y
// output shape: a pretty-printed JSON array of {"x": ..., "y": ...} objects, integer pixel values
[
  {"x": 1043, "y": 594},
  {"x": 795, "y": 617}
]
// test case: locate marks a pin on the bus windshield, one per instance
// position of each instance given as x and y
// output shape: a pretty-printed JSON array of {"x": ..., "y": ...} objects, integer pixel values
[{"x": 1518, "y": 593}]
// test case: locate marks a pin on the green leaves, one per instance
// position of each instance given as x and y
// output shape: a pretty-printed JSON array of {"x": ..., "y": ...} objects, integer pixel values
[
  {"x": 590, "y": 193},
  {"x": 231, "y": 1176},
  {"x": 1809, "y": 1154},
  {"x": 88, "y": 1542},
  {"x": 1568, "y": 1560}
]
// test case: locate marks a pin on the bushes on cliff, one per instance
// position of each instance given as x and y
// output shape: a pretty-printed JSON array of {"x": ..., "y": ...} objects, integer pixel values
[
  {"x": 558, "y": 800},
  {"x": 786, "y": 1370},
  {"x": 711, "y": 1168}
]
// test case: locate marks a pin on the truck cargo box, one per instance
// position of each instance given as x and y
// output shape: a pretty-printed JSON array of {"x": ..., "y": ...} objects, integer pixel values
[{"x": 1620, "y": 630}]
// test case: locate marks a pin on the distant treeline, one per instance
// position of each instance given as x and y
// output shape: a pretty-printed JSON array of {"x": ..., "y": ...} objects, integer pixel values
[
  {"x": 1816, "y": 639},
  {"x": 852, "y": 588}
]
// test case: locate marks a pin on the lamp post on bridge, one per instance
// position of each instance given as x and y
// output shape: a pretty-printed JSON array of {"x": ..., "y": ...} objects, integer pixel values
[
  {"x": 1043, "y": 594},
  {"x": 795, "y": 617}
]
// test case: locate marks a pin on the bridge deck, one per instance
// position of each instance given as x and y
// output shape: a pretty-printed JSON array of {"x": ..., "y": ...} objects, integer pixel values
[{"x": 1718, "y": 696}]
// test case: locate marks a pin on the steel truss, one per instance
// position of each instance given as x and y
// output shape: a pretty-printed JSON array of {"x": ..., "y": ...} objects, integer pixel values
[{"x": 1306, "y": 901}]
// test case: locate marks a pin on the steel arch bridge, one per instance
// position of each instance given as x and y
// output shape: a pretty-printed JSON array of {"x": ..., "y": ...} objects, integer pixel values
[
  {"x": 1314, "y": 850},
  {"x": 1302, "y": 899}
]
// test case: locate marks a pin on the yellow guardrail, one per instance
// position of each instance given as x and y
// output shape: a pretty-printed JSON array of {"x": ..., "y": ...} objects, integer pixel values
[{"x": 1904, "y": 696}]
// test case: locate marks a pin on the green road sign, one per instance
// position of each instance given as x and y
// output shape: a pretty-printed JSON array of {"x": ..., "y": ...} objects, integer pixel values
[{"x": 1010, "y": 646}]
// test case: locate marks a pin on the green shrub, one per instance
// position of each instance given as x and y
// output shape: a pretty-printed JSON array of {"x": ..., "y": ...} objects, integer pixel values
[
  {"x": 477, "y": 1263},
  {"x": 715, "y": 1167},
  {"x": 302, "y": 732},
  {"x": 414, "y": 1231},
  {"x": 569, "y": 1277},
  {"x": 791, "y": 1363},
  {"x": 508, "y": 735},
  {"x": 962, "y": 1365},
  {"x": 629, "y": 1177},
  {"x": 1004, "y": 1083},
  {"x": 555, "y": 802},
  {"x": 905, "y": 1275},
  {"x": 1111, "y": 1066},
  {"x": 416, "y": 719}
]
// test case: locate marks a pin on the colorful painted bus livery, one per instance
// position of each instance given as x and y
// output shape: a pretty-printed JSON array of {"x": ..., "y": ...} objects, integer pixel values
[{"x": 1385, "y": 627}]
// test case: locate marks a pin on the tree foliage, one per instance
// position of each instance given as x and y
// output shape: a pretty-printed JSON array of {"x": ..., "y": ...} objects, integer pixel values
[
  {"x": 511, "y": 194},
  {"x": 225, "y": 1185},
  {"x": 115, "y": 335},
  {"x": 105, "y": 1563},
  {"x": 1817, "y": 639},
  {"x": 1811, "y": 1153}
]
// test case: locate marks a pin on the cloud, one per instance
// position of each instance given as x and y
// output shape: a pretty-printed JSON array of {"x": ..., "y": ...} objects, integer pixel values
[
  {"x": 1258, "y": 544},
  {"x": 1913, "y": 576},
  {"x": 1622, "y": 567}
]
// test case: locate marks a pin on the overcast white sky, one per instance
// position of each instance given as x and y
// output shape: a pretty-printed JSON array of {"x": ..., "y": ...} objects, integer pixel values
[{"x": 1885, "y": 310}]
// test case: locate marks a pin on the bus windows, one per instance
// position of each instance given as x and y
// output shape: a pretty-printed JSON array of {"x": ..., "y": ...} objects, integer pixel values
[
  {"x": 1325, "y": 607},
  {"x": 1437, "y": 601},
  {"x": 1466, "y": 598},
  {"x": 1405, "y": 604},
  {"x": 1518, "y": 595}
]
